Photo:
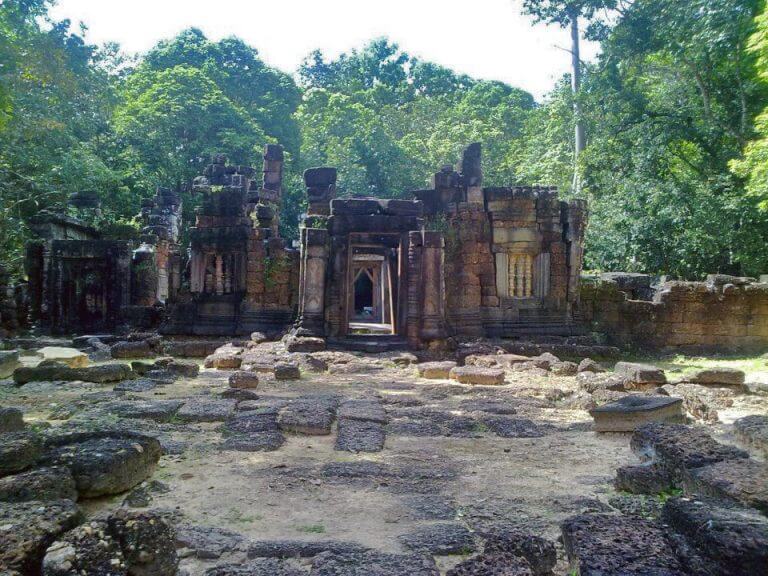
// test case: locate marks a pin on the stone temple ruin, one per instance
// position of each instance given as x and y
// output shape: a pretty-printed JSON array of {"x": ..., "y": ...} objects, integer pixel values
[{"x": 262, "y": 377}]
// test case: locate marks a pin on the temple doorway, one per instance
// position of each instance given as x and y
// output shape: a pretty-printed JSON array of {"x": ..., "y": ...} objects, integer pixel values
[{"x": 372, "y": 306}]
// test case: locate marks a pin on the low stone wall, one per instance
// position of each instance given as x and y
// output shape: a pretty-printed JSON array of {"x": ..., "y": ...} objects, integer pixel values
[{"x": 724, "y": 313}]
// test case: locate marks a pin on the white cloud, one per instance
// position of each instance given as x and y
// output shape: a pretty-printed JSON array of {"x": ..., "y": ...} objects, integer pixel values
[{"x": 486, "y": 38}]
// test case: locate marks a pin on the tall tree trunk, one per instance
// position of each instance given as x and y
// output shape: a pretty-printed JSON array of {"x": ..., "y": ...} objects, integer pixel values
[{"x": 581, "y": 136}]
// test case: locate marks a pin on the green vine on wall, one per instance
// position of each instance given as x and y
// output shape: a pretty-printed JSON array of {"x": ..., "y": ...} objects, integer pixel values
[
  {"x": 274, "y": 266},
  {"x": 448, "y": 228}
]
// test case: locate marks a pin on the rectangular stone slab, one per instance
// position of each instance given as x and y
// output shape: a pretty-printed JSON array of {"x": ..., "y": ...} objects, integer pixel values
[{"x": 630, "y": 412}]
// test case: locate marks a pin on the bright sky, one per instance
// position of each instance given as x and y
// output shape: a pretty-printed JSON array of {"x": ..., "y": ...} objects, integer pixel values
[{"x": 488, "y": 39}]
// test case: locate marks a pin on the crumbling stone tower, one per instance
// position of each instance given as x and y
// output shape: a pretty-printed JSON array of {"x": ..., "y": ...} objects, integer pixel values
[{"x": 241, "y": 274}]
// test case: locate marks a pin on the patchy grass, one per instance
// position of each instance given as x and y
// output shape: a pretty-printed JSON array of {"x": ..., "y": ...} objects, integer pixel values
[
  {"x": 681, "y": 365},
  {"x": 311, "y": 529}
]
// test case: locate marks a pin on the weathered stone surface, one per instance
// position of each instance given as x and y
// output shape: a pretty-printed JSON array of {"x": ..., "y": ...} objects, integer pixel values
[
  {"x": 200, "y": 409},
  {"x": 645, "y": 479},
  {"x": 138, "y": 385},
  {"x": 639, "y": 376},
  {"x": 225, "y": 358},
  {"x": 373, "y": 563},
  {"x": 435, "y": 370},
  {"x": 28, "y": 528},
  {"x": 9, "y": 361},
  {"x": 742, "y": 480},
  {"x": 733, "y": 540},
  {"x": 593, "y": 382},
  {"x": 18, "y": 450},
  {"x": 366, "y": 410},
  {"x": 753, "y": 431},
  {"x": 190, "y": 348},
  {"x": 253, "y": 431},
  {"x": 147, "y": 540},
  {"x": 88, "y": 549},
  {"x": 185, "y": 368},
  {"x": 630, "y": 412},
  {"x": 243, "y": 379},
  {"x": 564, "y": 368},
  {"x": 301, "y": 548},
  {"x": 477, "y": 375},
  {"x": 125, "y": 350},
  {"x": 495, "y": 360},
  {"x": 311, "y": 415},
  {"x": 718, "y": 377},
  {"x": 45, "y": 484},
  {"x": 155, "y": 410},
  {"x": 491, "y": 406},
  {"x": 208, "y": 542},
  {"x": 589, "y": 365},
  {"x": 360, "y": 436},
  {"x": 496, "y": 564},
  {"x": 287, "y": 371},
  {"x": 104, "y": 373},
  {"x": 430, "y": 507},
  {"x": 604, "y": 545},
  {"x": 68, "y": 356},
  {"x": 545, "y": 361},
  {"x": 143, "y": 494},
  {"x": 304, "y": 344},
  {"x": 11, "y": 419},
  {"x": 678, "y": 448},
  {"x": 258, "y": 567},
  {"x": 539, "y": 553},
  {"x": 701, "y": 402},
  {"x": 440, "y": 539},
  {"x": 507, "y": 427},
  {"x": 104, "y": 463}
]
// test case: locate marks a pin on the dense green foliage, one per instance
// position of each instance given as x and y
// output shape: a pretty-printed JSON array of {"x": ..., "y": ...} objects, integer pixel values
[{"x": 675, "y": 111}]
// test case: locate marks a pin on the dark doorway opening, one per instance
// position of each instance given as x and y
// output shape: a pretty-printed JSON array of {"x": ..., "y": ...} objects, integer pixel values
[{"x": 364, "y": 294}]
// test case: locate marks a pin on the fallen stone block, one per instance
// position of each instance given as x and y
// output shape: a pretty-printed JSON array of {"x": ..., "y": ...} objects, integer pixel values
[
  {"x": 718, "y": 377},
  {"x": 640, "y": 376},
  {"x": 644, "y": 479},
  {"x": 253, "y": 431},
  {"x": 606, "y": 545},
  {"x": 9, "y": 361},
  {"x": 28, "y": 528},
  {"x": 373, "y": 563},
  {"x": 440, "y": 539},
  {"x": 258, "y": 567},
  {"x": 301, "y": 548},
  {"x": 208, "y": 542},
  {"x": 184, "y": 368},
  {"x": 360, "y": 436},
  {"x": 742, "y": 480},
  {"x": 752, "y": 431},
  {"x": 155, "y": 410},
  {"x": 304, "y": 344},
  {"x": 224, "y": 360},
  {"x": 18, "y": 451},
  {"x": 495, "y": 360},
  {"x": 564, "y": 368},
  {"x": 539, "y": 553},
  {"x": 496, "y": 564},
  {"x": 589, "y": 365},
  {"x": 477, "y": 375},
  {"x": 312, "y": 415},
  {"x": 733, "y": 540},
  {"x": 126, "y": 350},
  {"x": 55, "y": 483},
  {"x": 190, "y": 348},
  {"x": 630, "y": 412},
  {"x": 545, "y": 361},
  {"x": 287, "y": 371},
  {"x": 198, "y": 409},
  {"x": 679, "y": 448},
  {"x": 435, "y": 370},
  {"x": 243, "y": 379},
  {"x": 701, "y": 402},
  {"x": 11, "y": 419},
  {"x": 68, "y": 356},
  {"x": 148, "y": 541},
  {"x": 87, "y": 549}
]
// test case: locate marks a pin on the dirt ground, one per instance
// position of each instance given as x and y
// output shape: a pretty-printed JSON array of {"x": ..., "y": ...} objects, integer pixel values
[{"x": 552, "y": 467}]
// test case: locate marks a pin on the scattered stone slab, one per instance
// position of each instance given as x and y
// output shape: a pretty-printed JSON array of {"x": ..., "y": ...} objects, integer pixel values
[
  {"x": 9, "y": 361},
  {"x": 101, "y": 374},
  {"x": 589, "y": 365},
  {"x": 71, "y": 357},
  {"x": 545, "y": 361},
  {"x": 304, "y": 344},
  {"x": 200, "y": 409},
  {"x": 301, "y": 548},
  {"x": 743, "y": 480},
  {"x": 498, "y": 564},
  {"x": 253, "y": 431},
  {"x": 104, "y": 463},
  {"x": 596, "y": 381},
  {"x": 643, "y": 479},
  {"x": 258, "y": 567},
  {"x": 489, "y": 406},
  {"x": 539, "y": 553},
  {"x": 44, "y": 484},
  {"x": 506, "y": 427},
  {"x": 718, "y": 377},
  {"x": 126, "y": 350},
  {"x": 701, "y": 402},
  {"x": 640, "y": 376},
  {"x": 185, "y": 368},
  {"x": 225, "y": 358},
  {"x": 364, "y": 410},
  {"x": 495, "y": 360},
  {"x": 240, "y": 395},
  {"x": 360, "y": 436},
  {"x": 312, "y": 415},
  {"x": 733, "y": 540},
  {"x": 11, "y": 419},
  {"x": 143, "y": 494},
  {"x": 87, "y": 549},
  {"x": 752, "y": 431},
  {"x": 355, "y": 367},
  {"x": 679, "y": 448},
  {"x": 430, "y": 507},
  {"x": 243, "y": 379},
  {"x": 208, "y": 542},
  {"x": 28, "y": 528},
  {"x": 138, "y": 385},
  {"x": 440, "y": 539},
  {"x": 602, "y": 544},
  {"x": 147, "y": 540},
  {"x": 373, "y": 564},
  {"x": 435, "y": 370},
  {"x": 626, "y": 414},
  {"x": 287, "y": 371},
  {"x": 564, "y": 368},
  {"x": 18, "y": 451},
  {"x": 155, "y": 410},
  {"x": 477, "y": 375},
  {"x": 189, "y": 348}
]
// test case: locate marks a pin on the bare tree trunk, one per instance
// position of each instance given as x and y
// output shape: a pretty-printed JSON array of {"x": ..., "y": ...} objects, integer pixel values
[{"x": 581, "y": 136}]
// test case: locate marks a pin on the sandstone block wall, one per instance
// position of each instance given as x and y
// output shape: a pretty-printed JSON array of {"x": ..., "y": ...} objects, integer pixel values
[{"x": 721, "y": 314}]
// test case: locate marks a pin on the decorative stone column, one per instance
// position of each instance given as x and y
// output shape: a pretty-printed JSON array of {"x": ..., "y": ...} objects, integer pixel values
[
  {"x": 433, "y": 325},
  {"x": 314, "y": 262},
  {"x": 415, "y": 289}
]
